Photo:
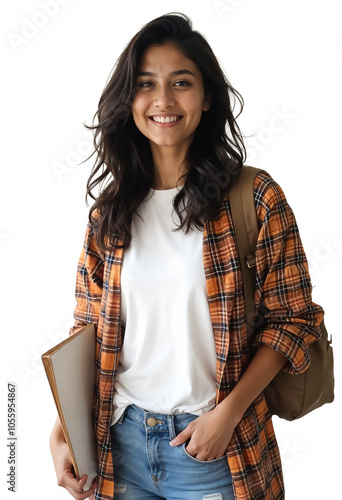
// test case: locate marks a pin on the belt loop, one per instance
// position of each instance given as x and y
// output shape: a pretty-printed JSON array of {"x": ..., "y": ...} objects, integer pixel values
[
  {"x": 171, "y": 426},
  {"x": 121, "y": 419}
]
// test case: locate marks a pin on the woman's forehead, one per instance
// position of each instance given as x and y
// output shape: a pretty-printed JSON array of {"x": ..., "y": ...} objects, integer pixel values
[{"x": 167, "y": 58}]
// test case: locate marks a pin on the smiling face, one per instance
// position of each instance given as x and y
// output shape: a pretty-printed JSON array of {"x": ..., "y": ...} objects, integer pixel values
[{"x": 168, "y": 105}]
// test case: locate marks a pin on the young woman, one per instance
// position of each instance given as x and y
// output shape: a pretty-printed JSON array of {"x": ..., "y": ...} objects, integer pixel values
[{"x": 179, "y": 411}]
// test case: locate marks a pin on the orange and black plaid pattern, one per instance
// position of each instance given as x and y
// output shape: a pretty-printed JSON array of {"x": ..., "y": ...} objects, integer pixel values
[{"x": 291, "y": 319}]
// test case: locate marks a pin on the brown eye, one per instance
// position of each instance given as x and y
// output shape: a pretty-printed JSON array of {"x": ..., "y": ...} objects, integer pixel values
[
  {"x": 145, "y": 84},
  {"x": 183, "y": 83}
]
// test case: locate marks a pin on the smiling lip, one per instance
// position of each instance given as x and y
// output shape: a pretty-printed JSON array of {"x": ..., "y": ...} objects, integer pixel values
[{"x": 165, "y": 119}]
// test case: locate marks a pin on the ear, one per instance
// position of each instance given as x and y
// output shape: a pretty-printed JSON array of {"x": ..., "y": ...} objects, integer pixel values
[{"x": 206, "y": 102}]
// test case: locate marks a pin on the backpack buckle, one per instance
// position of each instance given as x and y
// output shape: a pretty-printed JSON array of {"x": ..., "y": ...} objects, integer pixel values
[{"x": 250, "y": 261}]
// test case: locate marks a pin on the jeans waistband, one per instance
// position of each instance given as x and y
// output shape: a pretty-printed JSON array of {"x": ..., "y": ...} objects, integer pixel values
[{"x": 158, "y": 421}]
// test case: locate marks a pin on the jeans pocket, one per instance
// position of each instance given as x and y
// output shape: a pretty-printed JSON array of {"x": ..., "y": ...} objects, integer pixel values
[{"x": 202, "y": 462}]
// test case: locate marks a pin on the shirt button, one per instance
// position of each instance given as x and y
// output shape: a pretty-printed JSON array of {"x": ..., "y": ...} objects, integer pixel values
[{"x": 151, "y": 421}]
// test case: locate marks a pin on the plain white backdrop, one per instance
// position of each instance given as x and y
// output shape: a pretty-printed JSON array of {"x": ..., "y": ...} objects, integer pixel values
[{"x": 285, "y": 57}]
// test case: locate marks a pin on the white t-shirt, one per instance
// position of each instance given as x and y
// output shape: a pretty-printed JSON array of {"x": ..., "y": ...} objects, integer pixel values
[{"x": 168, "y": 357}]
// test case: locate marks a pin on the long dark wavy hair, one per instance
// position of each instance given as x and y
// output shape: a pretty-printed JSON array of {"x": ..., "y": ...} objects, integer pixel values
[{"x": 124, "y": 172}]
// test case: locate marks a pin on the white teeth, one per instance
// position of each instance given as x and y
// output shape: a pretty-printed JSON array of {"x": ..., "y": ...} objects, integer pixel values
[{"x": 163, "y": 119}]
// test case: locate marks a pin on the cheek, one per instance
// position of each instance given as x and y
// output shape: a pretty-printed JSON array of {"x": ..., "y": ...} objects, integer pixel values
[
  {"x": 196, "y": 107},
  {"x": 196, "y": 116},
  {"x": 135, "y": 116},
  {"x": 138, "y": 110}
]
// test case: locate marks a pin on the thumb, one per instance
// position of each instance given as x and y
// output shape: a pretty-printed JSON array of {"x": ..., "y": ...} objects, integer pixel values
[{"x": 181, "y": 437}]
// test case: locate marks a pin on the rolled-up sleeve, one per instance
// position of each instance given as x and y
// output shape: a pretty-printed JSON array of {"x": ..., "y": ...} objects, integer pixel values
[{"x": 283, "y": 297}]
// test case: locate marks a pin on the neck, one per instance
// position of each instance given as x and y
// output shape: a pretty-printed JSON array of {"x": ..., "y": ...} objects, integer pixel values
[{"x": 169, "y": 166}]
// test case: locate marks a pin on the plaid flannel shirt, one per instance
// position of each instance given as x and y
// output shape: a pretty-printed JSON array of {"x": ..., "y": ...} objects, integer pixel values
[{"x": 291, "y": 323}]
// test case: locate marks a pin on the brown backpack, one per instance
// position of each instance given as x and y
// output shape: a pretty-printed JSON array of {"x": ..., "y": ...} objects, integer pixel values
[{"x": 288, "y": 396}]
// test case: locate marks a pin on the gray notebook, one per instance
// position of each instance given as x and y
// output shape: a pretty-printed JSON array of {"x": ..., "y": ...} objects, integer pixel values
[{"x": 70, "y": 369}]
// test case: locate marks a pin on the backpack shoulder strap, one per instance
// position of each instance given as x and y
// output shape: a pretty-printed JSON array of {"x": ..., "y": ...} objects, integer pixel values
[{"x": 246, "y": 230}]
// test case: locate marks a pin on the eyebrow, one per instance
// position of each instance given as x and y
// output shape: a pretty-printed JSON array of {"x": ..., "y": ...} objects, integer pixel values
[{"x": 174, "y": 73}]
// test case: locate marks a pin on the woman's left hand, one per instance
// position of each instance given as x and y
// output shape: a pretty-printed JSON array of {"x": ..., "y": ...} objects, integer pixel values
[{"x": 209, "y": 434}]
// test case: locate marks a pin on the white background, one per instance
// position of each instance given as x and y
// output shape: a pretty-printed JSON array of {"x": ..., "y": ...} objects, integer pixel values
[{"x": 285, "y": 57}]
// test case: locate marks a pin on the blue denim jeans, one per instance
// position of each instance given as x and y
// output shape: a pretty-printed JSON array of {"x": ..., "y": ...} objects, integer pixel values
[{"x": 146, "y": 467}]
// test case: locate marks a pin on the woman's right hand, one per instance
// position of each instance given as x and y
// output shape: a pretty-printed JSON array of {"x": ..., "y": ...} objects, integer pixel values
[{"x": 64, "y": 468}]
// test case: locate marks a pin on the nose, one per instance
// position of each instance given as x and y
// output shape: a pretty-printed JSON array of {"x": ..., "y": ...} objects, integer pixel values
[{"x": 164, "y": 98}]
